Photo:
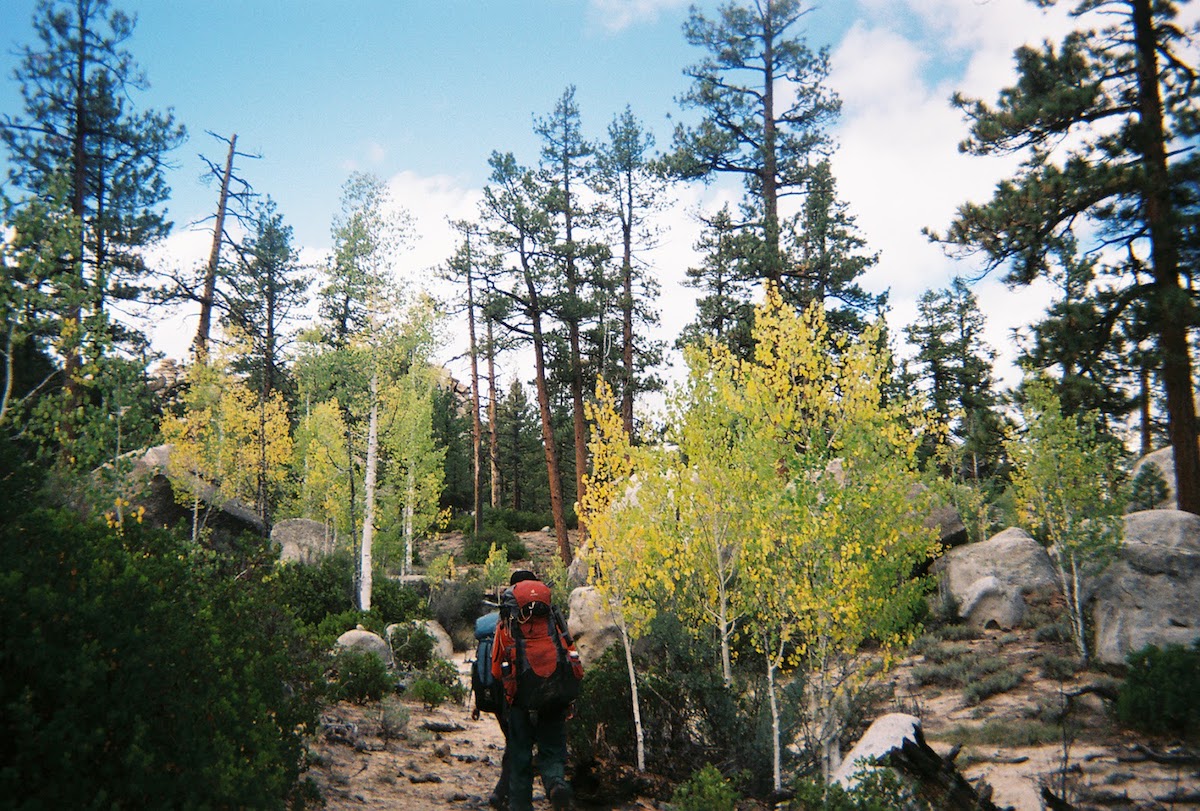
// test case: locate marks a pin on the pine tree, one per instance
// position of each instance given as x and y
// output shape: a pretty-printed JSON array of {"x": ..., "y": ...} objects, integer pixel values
[
  {"x": 1097, "y": 120},
  {"x": 724, "y": 311},
  {"x": 266, "y": 289},
  {"x": 633, "y": 193},
  {"x": 80, "y": 128},
  {"x": 748, "y": 129},
  {"x": 828, "y": 258},
  {"x": 957, "y": 376}
]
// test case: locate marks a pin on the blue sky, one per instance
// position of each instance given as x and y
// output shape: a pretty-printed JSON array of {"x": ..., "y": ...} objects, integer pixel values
[{"x": 420, "y": 93}]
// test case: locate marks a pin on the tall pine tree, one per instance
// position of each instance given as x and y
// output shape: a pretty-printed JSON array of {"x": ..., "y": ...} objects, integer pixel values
[{"x": 1099, "y": 120}]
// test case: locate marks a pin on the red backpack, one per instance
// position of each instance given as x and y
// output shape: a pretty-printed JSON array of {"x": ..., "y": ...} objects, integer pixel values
[{"x": 541, "y": 666}]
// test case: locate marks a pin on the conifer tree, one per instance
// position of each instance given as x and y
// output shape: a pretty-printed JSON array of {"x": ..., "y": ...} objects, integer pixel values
[
  {"x": 633, "y": 193},
  {"x": 956, "y": 366},
  {"x": 751, "y": 127},
  {"x": 80, "y": 128},
  {"x": 1098, "y": 121}
]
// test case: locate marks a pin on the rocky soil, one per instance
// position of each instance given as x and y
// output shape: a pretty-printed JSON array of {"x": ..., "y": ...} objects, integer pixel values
[{"x": 1012, "y": 740}]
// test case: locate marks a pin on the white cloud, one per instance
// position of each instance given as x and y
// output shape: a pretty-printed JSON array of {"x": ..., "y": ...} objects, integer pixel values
[
  {"x": 617, "y": 15},
  {"x": 898, "y": 163}
]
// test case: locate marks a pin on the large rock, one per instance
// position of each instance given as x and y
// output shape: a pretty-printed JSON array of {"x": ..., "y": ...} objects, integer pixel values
[
  {"x": 301, "y": 540},
  {"x": 945, "y": 518},
  {"x": 364, "y": 641},
  {"x": 887, "y": 733},
  {"x": 224, "y": 519},
  {"x": 591, "y": 623},
  {"x": 1150, "y": 594},
  {"x": 443, "y": 646},
  {"x": 989, "y": 581},
  {"x": 895, "y": 741}
]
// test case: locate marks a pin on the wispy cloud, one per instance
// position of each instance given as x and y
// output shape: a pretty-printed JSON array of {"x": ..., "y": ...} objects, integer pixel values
[{"x": 617, "y": 15}]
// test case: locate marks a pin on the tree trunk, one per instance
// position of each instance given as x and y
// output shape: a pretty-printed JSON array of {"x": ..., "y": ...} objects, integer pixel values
[
  {"x": 368, "y": 530},
  {"x": 639, "y": 735},
  {"x": 627, "y": 313},
  {"x": 1172, "y": 303},
  {"x": 214, "y": 258},
  {"x": 552, "y": 470},
  {"x": 493, "y": 435},
  {"x": 770, "y": 158},
  {"x": 476, "y": 424},
  {"x": 776, "y": 730},
  {"x": 1144, "y": 403},
  {"x": 410, "y": 499}
]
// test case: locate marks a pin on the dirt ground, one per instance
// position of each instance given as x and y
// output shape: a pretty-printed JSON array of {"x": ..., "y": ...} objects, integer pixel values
[
  {"x": 1101, "y": 766},
  {"x": 444, "y": 760}
]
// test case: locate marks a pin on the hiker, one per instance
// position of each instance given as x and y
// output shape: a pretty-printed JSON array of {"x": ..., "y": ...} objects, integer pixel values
[
  {"x": 489, "y": 697},
  {"x": 535, "y": 660}
]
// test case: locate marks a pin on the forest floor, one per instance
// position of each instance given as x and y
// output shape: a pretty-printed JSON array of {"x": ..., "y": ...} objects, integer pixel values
[{"x": 1012, "y": 740}]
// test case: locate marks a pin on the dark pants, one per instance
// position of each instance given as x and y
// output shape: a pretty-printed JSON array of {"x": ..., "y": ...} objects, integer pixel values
[
  {"x": 500, "y": 793},
  {"x": 545, "y": 729}
]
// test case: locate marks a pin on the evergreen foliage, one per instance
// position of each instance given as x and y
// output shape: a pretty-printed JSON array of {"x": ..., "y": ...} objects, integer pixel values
[
  {"x": 1159, "y": 692},
  {"x": 140, "y": 672}
]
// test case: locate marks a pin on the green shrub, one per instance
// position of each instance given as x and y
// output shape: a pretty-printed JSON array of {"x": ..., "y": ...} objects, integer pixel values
[
  {"x": 445, "y": 674},
  {"x": 705, "y": 790},
  {"x": 138, "y": 673},
  {"x": 477, "y": 546},
  {"x": 1160, "y": 690},
  {"x": 315, "y": 590},
  {"x": 429, "y": 692},
  {"x": 331, "y": 626},
  {"x": 455, "y": 606},
  {"x": 394, "y": 717},
  {"x": 689, "y": 718},
  {"x": 358, "y": 676},
  {"x": 979, "y": 689},
  {"x": 876, "y": 790},
  {"x": 394, "y": 602},
  {"x": 412, "y": 645},
  {"x": 1058, "y": 668}
]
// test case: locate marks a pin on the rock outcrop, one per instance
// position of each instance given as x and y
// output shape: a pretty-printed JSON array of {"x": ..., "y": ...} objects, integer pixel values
[
  {"x": 363, "y": 640},
  {"x": 896, "y": 741},
  {"x": 988, "y": 582},
  {"x": 1150, "y": 594},
  {"x": 223, "y": 518},
  {"x": 591, "y": 624},
  {"x": 301, "y": 540}
]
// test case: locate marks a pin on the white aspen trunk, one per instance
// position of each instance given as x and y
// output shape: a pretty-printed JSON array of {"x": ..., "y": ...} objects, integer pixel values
[
  {"x": 776, "y": 733},
  {"x": 409, "y": 500},
  {"x": 196, "y": 519},
  {"x": 633, "y": 692},
  {"x": 368, "y": 530},
  {"x": 1077, "y": 613},
  {"x": 726, "y": 632}
]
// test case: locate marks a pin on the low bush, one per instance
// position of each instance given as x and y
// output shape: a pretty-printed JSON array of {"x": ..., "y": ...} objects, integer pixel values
[
  {"x": 1159, "y": 692},
  {"x": 978, "y": 690},
  {"x": 689, "y": 718},
  {"x": 477, "y": 546},
  {"x": 429, "y": 692},
  {"x": 358, "y": 676},
  {"x": 456, "y": 605},
  {"x": 706, "y": 790},
  {"x": 412, "y": 646},
  {"x": 876, "y": 790}
]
